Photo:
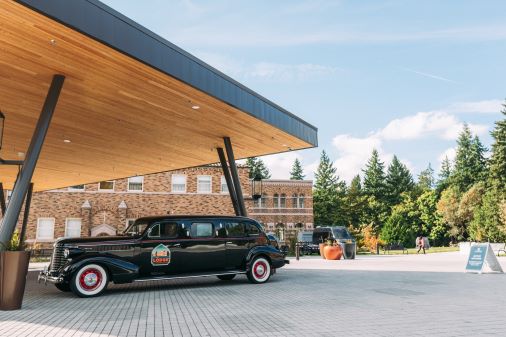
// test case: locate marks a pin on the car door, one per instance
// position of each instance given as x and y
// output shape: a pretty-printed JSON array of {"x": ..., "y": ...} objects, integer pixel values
[
  {"x": 160, "y": 249},
  {"x": 203, "y": 251},
  {"x": 238, "y": 244}
]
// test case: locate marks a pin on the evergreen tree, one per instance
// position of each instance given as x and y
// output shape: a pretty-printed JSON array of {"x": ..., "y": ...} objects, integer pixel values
[
  {"x": 498, "y": 158},
  {"x": 487, "y": 223},
  {"x": 374, "y": 177},
  {"x": 328, "y": 194},
  {"x": 355, "y": 203},
  {"x": 297, "y": 172},
  {"x": 444, "y": 176},
  {"x": 426, "y": 179},
  {"x": 257, "y": 168},
  {"x": 470, "y": 162},
  {"x": 403, "y": 224},
  {"x": 398, "y": 180}
]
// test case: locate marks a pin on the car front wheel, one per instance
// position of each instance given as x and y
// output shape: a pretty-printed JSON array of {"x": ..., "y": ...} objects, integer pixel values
[
  {"x": 89, "y": 280},
  {"x": 260, "y": 270}
]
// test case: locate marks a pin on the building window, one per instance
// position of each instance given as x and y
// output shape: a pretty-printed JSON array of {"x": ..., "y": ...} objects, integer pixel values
[
  {"x": 73, "y": 227},
  {"x": 301, "y": 201},
  {"x": 136, "y": 184},
  {"x": 282, "y": 201},
  {"x": 276, "y": 200},
  {"x": 204, "y": 184},
  {"x": 76, "y": 188},
  {"x": 295, "y": 202},
  {"x": 129, "y": 222},
  {"x": 224, "y": 186},
  {"x": 45, "y": 229},
  {"x": 178, "y": 183},
  {"x": 107, "y": 185}
]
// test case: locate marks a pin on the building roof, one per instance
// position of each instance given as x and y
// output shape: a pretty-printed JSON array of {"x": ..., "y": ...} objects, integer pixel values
[{"x": 132, "y": 102}]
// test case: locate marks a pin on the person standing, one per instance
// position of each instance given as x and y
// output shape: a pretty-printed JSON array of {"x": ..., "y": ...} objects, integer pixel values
[{"x": 420, "y": 243}]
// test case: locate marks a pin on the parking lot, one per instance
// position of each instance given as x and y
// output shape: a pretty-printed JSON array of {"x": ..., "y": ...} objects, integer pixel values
[{"x": 311, "y": 297}]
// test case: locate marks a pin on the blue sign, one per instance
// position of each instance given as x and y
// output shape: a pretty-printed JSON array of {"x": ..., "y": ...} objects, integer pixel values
[{"x": 477, "y": 256}]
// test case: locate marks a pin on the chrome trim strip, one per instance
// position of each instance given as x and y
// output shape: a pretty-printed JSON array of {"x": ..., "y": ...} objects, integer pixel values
[{"x": 191, "y": 276}]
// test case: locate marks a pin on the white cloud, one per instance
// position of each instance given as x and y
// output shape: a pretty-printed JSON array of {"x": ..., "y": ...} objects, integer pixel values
[
  {"x": 439, "y": 124},
  {"x": 290, "y": 72},
  {"x": 448, "y": 153},
  {"x": 484, "y": 107},
  {"x": 280, "y": 164}
]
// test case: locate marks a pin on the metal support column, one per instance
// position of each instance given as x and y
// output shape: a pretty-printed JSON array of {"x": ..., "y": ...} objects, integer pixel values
[
  {"x": 28, "y": 202},
  {"x": 235, "y": 176},
  {"x": 32, "y": 155},
  {"x": 2, "y": 199},
  {"x": 228, "y": 179}
]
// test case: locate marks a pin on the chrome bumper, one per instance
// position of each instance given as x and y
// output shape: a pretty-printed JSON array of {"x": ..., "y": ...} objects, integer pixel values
[{"x": 46, "y": 277}]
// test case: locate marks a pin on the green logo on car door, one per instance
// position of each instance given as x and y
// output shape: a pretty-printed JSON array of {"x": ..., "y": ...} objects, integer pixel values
[{"x": 160, "y": 255}]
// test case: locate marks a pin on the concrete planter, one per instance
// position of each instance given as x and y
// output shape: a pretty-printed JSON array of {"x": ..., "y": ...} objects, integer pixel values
[{"x": 13, "y": 270}]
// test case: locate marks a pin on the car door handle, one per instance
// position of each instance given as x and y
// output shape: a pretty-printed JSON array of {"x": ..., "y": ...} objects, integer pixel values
[
  {"x": 176, "y": 245},
  {"x": 229, "y": 242}
]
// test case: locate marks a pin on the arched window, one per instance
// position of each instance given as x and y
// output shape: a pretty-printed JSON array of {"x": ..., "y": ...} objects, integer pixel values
[
  {"x": 295, "y": 203},
  {"x": 282, "y": 201},
  {"x": 301, "y": 200},
  {"x": 276, "y": 200}
]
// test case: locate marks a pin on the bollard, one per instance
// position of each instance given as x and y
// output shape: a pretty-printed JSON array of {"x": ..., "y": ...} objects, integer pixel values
[{"x": 297, "y": 251}]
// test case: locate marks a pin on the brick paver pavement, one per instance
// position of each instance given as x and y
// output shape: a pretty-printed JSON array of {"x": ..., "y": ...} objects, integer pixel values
[{"x": 296, "y": 302}]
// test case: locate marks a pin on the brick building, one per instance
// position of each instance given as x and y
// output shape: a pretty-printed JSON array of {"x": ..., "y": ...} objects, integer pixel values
[{"x": 107, "y": 207}]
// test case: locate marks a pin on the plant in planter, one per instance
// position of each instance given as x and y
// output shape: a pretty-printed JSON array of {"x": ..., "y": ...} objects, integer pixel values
[
  {"x": 332, "y": 250},
  {"x": 13, "y": 270}
]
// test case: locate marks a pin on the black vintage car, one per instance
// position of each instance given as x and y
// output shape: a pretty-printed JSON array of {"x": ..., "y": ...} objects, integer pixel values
[{"x": 164, "y": 247}]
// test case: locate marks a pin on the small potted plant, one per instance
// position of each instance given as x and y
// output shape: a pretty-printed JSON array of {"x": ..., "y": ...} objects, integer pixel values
[
  {"x": 13, "y": 269},
  {"x": 332, "y": 250}
]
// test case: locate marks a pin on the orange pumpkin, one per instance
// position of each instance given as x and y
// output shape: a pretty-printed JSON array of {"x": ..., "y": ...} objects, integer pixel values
[
  {"x": 333, "y": 252},
  {"x": 322, "y": 246}
]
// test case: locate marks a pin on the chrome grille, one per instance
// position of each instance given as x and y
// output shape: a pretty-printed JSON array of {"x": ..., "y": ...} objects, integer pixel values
[{"x": 57, "y": 259}]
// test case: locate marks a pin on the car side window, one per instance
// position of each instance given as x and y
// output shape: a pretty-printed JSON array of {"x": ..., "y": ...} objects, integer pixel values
[
  {"x": 201, "y": 230},
  {"x": 166, "y": 230},
  {"x": 236, "y": 229},
  {"x": 253, "y": 229}
]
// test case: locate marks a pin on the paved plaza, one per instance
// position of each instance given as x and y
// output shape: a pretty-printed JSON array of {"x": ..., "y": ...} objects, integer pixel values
[{"x": 371, "y": 296}]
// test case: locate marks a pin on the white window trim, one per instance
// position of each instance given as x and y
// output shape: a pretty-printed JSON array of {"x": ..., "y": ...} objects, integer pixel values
[
  {"x": 210, "y": 184},
  {"x": 223, "y": 181},
  {"x": 172, "y": 183},
  {"x": 67, "y": 222},
  {"x": 72, "y": 189},
  {"x": 107, "y": 190},
  {"x": 128, "y": 185},
  {"x": 37, "y": 232},
  {"x": 127, "y": 220}
]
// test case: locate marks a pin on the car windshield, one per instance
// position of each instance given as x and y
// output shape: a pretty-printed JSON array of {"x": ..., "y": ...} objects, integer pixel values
[
  {"x": 341, "y": 233},
  {"x": 320, "y": 236},
  {"x": 137, "y": 228},
  {"x": 306, "y": 237}
]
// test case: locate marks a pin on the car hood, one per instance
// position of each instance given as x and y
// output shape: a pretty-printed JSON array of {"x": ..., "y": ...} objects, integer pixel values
[{"x": 98, "y": 240}]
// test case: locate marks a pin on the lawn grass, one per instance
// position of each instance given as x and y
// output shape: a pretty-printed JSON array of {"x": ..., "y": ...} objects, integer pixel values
[{"x": 431, "y": 250}]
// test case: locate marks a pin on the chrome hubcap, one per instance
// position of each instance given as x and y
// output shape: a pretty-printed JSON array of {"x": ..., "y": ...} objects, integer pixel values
[{"x": 91, "y": 279}]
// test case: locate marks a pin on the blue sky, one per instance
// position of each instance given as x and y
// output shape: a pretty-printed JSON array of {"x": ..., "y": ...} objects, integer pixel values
[{"x": 399, "y": 76}]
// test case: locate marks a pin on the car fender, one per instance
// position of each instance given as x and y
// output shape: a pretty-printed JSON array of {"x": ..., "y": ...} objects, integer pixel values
[
  {"x": 274, "y": 255},
  {"x": 120, "y": 271}
]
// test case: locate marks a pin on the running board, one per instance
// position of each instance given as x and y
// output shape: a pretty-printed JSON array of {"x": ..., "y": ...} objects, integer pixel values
[{"x": 169, "y": 277}]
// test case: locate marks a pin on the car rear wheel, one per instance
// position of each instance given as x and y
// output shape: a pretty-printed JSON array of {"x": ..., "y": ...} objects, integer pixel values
[
  {"x": 62, "y": 286},
  {"x": 260, "y": 270},
  {"x": 227, "y": 277},
  {"x": 89, "y": 280}
]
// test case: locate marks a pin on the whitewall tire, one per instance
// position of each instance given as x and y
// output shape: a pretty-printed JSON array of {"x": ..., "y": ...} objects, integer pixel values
[
  {"x": 259, "y": 271},
  {"x": 89, "y": 280}
]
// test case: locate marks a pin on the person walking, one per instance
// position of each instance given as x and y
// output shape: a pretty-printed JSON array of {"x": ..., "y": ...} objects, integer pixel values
[{"x": 420, "y": 243}]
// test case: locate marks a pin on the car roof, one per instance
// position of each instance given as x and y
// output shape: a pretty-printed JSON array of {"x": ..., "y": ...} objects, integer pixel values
[
  {"x": 196, "y": 217},
  {"x": 326, "y": 228}
]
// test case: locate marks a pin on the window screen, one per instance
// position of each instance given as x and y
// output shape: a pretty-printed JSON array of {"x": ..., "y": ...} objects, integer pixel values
[
  {"x": 73, "y": 228},
  {"x": 45, "y": 229},
  {"x": 178, "y": 183}
]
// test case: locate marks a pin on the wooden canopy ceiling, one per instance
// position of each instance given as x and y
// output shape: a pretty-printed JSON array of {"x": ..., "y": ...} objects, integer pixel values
[{"x": 116, "y": 116}]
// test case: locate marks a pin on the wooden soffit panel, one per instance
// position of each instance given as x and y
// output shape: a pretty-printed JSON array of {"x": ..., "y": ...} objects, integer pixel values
[{"x": 121, "y": 116}]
